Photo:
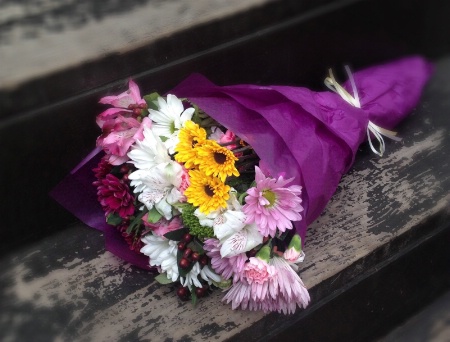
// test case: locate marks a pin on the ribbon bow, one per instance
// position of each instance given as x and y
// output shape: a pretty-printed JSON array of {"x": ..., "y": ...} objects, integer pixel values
[{"x": 377, "y": 131}]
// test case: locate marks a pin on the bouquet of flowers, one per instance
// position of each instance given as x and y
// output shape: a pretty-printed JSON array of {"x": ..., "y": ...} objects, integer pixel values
[{"x": 215, "y": 186}]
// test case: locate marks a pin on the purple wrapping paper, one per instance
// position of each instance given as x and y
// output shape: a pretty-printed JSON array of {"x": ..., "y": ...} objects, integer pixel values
[{"x": 311, "y": 136}]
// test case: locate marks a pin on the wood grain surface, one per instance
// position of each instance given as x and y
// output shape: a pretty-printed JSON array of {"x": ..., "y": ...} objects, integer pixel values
[
  {"x": 68, "y": 288},
  {"x": 41, "y": 37}
]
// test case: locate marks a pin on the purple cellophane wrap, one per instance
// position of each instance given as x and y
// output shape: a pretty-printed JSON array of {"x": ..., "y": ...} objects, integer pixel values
[{"x": 311, "y": 136}]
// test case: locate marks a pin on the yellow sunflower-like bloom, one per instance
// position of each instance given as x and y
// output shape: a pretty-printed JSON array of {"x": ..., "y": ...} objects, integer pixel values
[
  {"x": 206, "y": 192},
  {"x": 216, "y": 160},
  {"x": 190, "y": 137}
]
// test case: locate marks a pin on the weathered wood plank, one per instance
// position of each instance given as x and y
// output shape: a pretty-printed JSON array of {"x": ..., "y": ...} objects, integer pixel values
[
  {"x": 68, "y": 288},
  {"x": 39, "y": 39}
]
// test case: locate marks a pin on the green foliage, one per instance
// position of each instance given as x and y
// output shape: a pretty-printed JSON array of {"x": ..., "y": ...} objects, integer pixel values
[
  {"x": 152, "y": 101},
  {"x": 195, "y": 228},
  {"x": 136, "y": 222},
  {"x": 162, "y": 279},
  {"x": 176, "y": 235},
  {"x": 113, "y": 219},
  {"x": 194, "y": 298},
  {"x": 153, "y": 215}
]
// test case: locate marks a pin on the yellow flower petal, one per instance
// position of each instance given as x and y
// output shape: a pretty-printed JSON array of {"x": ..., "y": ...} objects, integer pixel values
[
  {"x": 206, "y": 192},
  {"x": 216, "y": 160}
]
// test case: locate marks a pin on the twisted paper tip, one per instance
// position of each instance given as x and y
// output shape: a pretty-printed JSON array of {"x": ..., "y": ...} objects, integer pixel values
[{"x": 376, "y": 130}]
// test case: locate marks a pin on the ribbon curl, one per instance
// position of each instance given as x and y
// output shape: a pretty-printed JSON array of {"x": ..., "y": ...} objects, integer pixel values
[{"x": 377, "y": 131}]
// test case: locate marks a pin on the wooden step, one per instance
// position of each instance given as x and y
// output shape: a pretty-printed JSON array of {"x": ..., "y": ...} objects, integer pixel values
[{"x": 377, "y": 254}]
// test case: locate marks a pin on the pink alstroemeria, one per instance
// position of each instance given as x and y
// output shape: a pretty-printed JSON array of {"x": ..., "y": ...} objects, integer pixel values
[
  {"x": 185, "y": 182},
  {"x": 118, "y": 136},
  {"x": 271, "y": 205},
  {"x": 126, "y": 102},
  {"x": 163, "y": 226},
  {"x": 223, "y": 138}
]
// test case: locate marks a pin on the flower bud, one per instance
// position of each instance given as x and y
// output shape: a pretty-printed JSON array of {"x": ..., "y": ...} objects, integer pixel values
[
  {"x": 264, "y": 253},
  {"x": 296, "y": 242}
]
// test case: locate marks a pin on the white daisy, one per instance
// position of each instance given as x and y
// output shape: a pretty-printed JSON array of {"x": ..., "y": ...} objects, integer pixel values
[
  {"x": 162, "y": 253},
  {"x": 168, "y": 120},
  {"x": 209, "y": 275},
  {"x": 149, "y": 152},
  {"x": 192, "y": 277}
]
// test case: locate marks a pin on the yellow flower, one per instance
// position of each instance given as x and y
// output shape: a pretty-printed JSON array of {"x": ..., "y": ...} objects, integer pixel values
[
  {"x": 190, "y": 136},
  {"x": 216, "y": 160},
  {"x": 206, "y": 192}
]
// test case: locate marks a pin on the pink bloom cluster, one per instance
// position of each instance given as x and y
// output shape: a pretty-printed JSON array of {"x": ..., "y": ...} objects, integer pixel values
[
  {"x": 242, "y": 248},
  {"x": 120, "y": 126},
  {"x": 272, "y": 286},
  {"x": 258, "y": 284}
]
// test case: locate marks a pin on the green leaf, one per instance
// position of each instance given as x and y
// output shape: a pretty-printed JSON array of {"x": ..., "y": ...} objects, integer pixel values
[
  {"x": 162, "y": 279},
  {"x": 241, "y": 197},
  {"x": 176, "y": 235},
  {"x": 114, "y": 219},
  {"x": 181, "y": 206},
  {"x": 154, "y": 216},
  {"x": 196, "y": 246},
  {"x": 137, "y": 221},
  {"x": 152, "y": 100},
  {"x": 194, "y": 298}
]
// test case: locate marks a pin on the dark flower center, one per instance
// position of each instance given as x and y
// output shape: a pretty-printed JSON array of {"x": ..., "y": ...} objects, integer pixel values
[
  {"x": 220, "y": 158},
  {"x": 209, "y": 191}
]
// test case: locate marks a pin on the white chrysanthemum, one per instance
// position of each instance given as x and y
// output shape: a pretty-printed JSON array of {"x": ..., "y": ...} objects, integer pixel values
[
  {"x": 162, "y": 253},
  {"x": 206, "y": 273},
  {"x": 148, "y": 152},
  {"x": 192, "y": 277},
  {"x": 168, "y": 120},
  {"x": 209, "y": 275}
]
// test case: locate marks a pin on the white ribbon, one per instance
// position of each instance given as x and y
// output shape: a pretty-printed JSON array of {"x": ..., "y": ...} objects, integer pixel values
[{"x": 377, "y": 131}]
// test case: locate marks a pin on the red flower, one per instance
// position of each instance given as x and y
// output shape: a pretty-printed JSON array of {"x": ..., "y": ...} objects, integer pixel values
[
  {"x": 133, "y": 241},
  {"x": 114, "y": 196},
  {"x": 103, "y": 168}
]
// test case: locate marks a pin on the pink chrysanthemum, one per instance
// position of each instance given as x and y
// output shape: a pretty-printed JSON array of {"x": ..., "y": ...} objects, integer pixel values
[
  {"x": 282, "y": 291},
  {"x": 226, "y": 267},
  {"x": 271, "y": 205},
  {"x": 115, "y": 197}
]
